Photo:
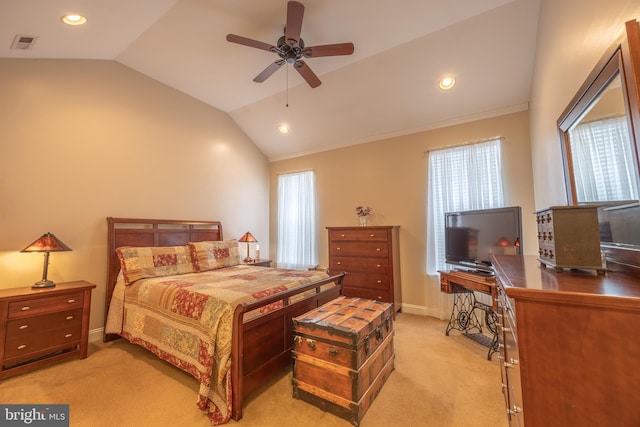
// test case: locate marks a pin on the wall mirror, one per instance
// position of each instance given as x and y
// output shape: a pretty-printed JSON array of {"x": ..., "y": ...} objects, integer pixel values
[{"x": 598, "y": 129}]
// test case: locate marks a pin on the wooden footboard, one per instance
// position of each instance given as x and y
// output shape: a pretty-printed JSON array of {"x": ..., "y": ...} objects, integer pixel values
[{"x": 262, "y": 346}]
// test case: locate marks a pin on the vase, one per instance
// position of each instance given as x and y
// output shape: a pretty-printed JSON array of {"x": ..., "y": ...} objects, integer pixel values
[{"x": 363, "y": 221}]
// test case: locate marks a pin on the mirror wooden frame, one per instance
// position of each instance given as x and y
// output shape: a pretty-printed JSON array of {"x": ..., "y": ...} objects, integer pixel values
[{"x": 622, "y": 58}]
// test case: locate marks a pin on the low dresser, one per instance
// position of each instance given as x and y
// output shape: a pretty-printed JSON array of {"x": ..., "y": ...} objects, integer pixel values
[{"x": 42, "y": 326}]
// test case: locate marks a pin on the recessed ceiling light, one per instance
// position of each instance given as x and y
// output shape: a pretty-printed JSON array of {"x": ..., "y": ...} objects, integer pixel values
[
  {"x": 73, "y": 19},
  {"x": 447, "y": 82},
  {"x": 283, "y": 128}
]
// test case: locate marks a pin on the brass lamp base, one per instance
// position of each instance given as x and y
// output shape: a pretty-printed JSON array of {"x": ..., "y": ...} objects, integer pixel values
[{"x": 43, "y": 284}]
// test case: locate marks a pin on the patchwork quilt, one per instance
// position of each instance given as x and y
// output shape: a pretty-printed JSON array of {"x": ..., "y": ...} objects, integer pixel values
[{"x": 187, "y": 320}]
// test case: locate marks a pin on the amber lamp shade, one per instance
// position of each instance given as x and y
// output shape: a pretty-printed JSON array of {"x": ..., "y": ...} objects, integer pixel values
[
  {"x": 248, "y": 239},
  {"x": 46, "y": 243}
]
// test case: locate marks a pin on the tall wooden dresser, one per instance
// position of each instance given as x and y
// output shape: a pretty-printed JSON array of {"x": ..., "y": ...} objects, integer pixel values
[
  {"x": 370, "y": 256},
  {"x": 568, "y": 344}
]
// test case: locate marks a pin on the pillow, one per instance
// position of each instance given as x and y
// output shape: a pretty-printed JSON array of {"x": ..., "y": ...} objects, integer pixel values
[
  {"x": 214, "y": 254},
  {"x": 154, "y": 261}
]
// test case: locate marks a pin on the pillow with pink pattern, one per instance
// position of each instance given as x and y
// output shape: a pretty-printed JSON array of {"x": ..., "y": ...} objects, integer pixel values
[
  {"x": 154, "y": 261},
  {"x": 211, "y": 255}
]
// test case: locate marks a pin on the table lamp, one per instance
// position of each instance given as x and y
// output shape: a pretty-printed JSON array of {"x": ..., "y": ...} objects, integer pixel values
[
  {"x": 248, "y": 239},
  {"x": 46, "y": 243}
]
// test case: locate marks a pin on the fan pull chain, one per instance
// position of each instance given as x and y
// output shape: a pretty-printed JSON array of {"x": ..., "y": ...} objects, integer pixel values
[{"x": 287, "y": 104}]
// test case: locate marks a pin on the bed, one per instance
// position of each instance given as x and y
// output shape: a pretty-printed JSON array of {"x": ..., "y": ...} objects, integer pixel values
[{"x": 247, "y": 339}]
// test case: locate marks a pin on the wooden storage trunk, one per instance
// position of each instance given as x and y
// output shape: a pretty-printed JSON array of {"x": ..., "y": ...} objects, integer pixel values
[{"x": 343, "y": 353}]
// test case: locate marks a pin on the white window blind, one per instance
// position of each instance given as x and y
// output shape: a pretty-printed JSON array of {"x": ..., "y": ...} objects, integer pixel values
[
  {"x": 297, "y": 244},
  {"x": 603, "y": 164},
  {"x": 460, "y": 178}
]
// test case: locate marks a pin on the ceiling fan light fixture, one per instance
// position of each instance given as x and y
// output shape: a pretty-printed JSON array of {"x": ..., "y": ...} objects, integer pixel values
[
  {"x": 447, "y": 82},
  {"x": 74, "y": 19},
  {"x": 283, "y": 128}
]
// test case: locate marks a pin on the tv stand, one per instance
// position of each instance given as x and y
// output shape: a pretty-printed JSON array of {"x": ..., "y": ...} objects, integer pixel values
[{"x": 464, "y": 316}]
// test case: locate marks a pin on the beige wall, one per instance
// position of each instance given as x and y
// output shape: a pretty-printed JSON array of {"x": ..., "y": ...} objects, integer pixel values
[
  {"x": 391, "y": 177},
  {"x": 572, "y": 37},
  {"x": 83, "y": 140}
]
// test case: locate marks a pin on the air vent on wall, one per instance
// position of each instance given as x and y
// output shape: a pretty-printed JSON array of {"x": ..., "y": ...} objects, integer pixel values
[{"x": 23, "y": 42}]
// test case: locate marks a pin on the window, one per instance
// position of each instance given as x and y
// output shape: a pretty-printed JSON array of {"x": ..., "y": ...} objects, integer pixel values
[
  {"x": 603, "y": 165},
  {"x": 460, "y": 178},
  {"x": 297, "y": 245}
]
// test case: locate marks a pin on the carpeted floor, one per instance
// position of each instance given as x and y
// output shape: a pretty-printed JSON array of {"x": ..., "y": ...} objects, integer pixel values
[{"x": 438, "y": 381}]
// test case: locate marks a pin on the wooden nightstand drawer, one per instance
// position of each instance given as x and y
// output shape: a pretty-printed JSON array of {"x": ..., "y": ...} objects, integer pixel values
[
  {"x": 48, "y": 304},
  {"x": 42, "y": 342},
  {"x": 17, "y": 328}
]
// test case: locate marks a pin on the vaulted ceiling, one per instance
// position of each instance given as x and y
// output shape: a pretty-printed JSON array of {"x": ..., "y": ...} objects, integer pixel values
[{"x": 387, "y": 87}]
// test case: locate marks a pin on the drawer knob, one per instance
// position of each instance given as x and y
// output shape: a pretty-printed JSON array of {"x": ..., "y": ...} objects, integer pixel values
[
  {"x": 23, "y": 327},
  {"x": 378, "y": 266},
  {"x": 516, "y": 410},
  {"x": 69, "y": 318},
  {"x": 25, "y": 308},
  {"x": 372, "y": 235},
  {"x": 339, "y": 263},
  {"x": 378, "y": 249},
  {"x": 68, "y": 335},
  {"x": 511, "y": 363},
  {"x": 379, "y": 281},
  {"x": 337, "y": 249},
  {"x": 22, "y": 346},
  {"x": 71, "y": 300},
  {"x": 342, "y": 235}
]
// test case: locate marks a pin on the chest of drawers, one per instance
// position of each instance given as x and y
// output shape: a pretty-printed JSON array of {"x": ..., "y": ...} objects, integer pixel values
[
  {"x": 569, "y": 237},
  {"x": 41, "y": 326},
  {"x": 370, "y": 256}
]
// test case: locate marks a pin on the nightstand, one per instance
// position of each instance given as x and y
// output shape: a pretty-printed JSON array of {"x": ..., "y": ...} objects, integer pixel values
[
  {"x": 43, "y": 326},
  {"x": 260, "y": 262}
]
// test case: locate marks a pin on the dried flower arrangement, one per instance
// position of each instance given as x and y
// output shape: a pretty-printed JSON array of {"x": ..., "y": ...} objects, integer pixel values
[{"x": 363, "y": 210}]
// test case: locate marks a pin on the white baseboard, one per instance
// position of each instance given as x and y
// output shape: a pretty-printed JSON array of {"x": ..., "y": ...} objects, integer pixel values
[
  {"x": 421, "y": 310},
  {"x": 96, "y": 334}
]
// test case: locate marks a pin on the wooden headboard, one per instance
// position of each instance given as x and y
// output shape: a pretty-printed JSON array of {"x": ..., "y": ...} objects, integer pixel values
[{"x": 151, "y": 232}]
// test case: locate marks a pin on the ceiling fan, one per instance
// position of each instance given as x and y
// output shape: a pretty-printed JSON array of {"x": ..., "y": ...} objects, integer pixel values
[{"x": 291, "y": 49}]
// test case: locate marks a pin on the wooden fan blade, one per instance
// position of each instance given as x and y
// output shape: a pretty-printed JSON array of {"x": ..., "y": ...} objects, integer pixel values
[
  {"x": 307, "y": 73},
  {"x": 250, "y": 42},
  {"x": 295, "y": 13},
  {"x": 267, "y": 72},
  {"x": 328, "y": 50}
]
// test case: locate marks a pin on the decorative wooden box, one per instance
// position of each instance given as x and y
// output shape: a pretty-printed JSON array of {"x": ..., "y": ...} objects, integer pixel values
[
  {"x": 569, "y": 237},
  {"x": 343, "y": 354}
]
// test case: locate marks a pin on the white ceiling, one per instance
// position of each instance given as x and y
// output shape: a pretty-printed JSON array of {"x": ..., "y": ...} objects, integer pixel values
[{"x": 388, "y": 87}]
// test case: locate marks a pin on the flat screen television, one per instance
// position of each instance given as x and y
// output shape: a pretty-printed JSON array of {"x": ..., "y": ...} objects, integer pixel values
[{"x": 472, "y": 236}]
